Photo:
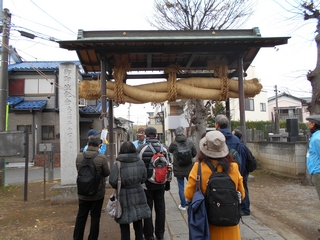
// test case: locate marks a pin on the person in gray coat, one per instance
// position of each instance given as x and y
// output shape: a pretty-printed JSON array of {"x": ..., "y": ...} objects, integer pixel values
[
  {"x": 181, "y": 172},
  {"x": 132, "y": 197},
  {"x": 92, "y": 204}
]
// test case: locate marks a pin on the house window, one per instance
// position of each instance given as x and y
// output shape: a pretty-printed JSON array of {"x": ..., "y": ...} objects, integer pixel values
[
  {"x": 38, "y": 86},
  {"x": 158, "y": 121},
  {"x": 262, "y": 107},
  {"x": 16, "y": 87},
  {"x": 249, "y": 104},
  {"x": 47, "y": 132},
  {"x": 22, "y": 127}
]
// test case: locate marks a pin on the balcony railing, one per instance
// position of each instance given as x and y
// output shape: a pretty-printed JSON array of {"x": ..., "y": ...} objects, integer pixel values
[
  {"x": 176, "y": 121},
  {"x": 285, "y": 116}
]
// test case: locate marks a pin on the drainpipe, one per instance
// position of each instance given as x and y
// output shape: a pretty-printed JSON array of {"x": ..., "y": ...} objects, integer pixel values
[
  {"x": 7, "y": 117},
  {"x": 56, "y": 94},
  {"x": 4, "y": 67},
  {"x": 277, "y": 129}
]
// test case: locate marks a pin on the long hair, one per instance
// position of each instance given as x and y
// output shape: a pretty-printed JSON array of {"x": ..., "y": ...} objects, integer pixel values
[{"x": 225, "y": 162}]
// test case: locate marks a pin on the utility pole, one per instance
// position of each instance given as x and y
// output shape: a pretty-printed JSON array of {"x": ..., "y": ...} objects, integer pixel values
[
  {"x": 276, "y": 117},
  {"x": 4, "y": 68}
]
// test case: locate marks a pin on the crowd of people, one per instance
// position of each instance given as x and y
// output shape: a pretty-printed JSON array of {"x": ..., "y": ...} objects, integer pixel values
[{"x": 140, "y": 196}]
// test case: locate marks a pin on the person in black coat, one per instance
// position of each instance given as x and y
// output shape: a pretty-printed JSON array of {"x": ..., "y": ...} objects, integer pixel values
[
  {"x": 245, "y": 204},
  {"x": 92, "y": 204},
  {"x": 132, "y": 198},
  {"x": 154, "y": 192},
  {"x": 181, "y": 172}
]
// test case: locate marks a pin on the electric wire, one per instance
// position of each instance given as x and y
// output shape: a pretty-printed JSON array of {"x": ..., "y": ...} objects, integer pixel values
[
  {"x": 46, "y": 26},
  {"x": 37, "y": 70},
  {"x": 52, "y": 17}
]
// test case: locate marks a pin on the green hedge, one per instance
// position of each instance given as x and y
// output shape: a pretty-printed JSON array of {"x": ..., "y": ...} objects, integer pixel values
[{"x": 261, "y": 125}]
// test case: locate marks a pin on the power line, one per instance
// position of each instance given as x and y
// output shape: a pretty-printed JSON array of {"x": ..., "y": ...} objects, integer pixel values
[
  {"x": 58, "y": 30},
  {"x": 52, "y": 17},
  {"x": 4, "y": 45}
]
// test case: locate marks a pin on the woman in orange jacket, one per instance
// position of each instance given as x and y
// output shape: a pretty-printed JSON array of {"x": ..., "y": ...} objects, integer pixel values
[{"x": 213, "y": 148}]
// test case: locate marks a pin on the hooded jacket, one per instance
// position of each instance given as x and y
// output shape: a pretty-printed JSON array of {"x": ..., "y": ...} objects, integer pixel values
[
  {"x": 103, "y": 171},
  {"x": 181, "y": 171},
  {"x": 234, "y": 142},
  {"x": 132, "y": 197}
]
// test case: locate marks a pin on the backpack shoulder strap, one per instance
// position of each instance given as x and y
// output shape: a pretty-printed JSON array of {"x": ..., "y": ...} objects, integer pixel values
[
  {"x": 210, "y": 165},
  {"x": 152, "y": 148},
  {"x": 83, "y": 163},
  {"x": 92, "y": 157},
  {"x": 198, "y": 180},
  {"x": 142, "y": 150},
  {"x": 161, "y": 148}
]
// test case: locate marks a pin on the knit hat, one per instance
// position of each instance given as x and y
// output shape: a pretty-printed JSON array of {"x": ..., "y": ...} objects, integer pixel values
[
  {"x": 213, "y": 145},
  {"x": 179, "y": 131},
  {"x": 150, "y": 131},
  {"x": 315, "y": 119}
]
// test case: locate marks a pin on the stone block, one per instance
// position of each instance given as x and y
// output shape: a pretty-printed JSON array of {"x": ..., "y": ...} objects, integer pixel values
[{"x": 64, "y": 194}]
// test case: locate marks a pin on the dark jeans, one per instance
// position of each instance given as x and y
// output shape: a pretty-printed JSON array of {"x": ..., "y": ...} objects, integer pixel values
[
  {"x": 156, "y": 197},
  {"x": 95, "y": 212},
  {"x": 245, "y": 205},
  {"x": 138, "y": 230}
]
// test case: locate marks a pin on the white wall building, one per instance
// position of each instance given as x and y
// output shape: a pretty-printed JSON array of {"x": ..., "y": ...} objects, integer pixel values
[{"x": 255, "y": 108}]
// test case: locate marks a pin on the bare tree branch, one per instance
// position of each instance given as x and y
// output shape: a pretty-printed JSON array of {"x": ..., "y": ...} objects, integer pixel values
[{"x": 200, "y": 14}]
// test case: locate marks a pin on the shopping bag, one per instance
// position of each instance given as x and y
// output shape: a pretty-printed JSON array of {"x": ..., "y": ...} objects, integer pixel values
[{"x": 114, "y": 207}]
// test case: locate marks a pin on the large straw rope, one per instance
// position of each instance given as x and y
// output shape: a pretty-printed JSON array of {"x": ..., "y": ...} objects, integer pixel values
[
  {"x": 172, "y": 71},
  {"x": 220, "y": 68},
  {"x": 198, "y": 88},
  {"x": 119, "y": 73}
]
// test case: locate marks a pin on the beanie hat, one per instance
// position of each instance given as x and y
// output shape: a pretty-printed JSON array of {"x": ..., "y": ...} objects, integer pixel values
[{"x": 179, "y": 131}]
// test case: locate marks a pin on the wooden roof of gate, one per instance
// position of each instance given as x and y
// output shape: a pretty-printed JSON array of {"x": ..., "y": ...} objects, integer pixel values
[{"x": 156, "y": 50}]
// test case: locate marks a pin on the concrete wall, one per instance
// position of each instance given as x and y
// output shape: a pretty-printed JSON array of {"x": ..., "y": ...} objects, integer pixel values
[
  {"x": 284, "y": 158},
  {"x": 12, "y": 144}
]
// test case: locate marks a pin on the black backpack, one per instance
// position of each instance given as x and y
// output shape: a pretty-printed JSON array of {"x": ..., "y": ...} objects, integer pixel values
[
  {"x": 88, "y": 180},
  {"x": 184, "y": 155},
  {"x": 223, "y": 202},
  {"x": 251, "y": 163}
]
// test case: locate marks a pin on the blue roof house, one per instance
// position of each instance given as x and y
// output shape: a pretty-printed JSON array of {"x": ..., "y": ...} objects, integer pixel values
[{"x": 33, "y": 101}]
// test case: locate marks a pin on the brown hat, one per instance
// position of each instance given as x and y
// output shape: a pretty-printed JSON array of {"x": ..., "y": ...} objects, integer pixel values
[
  {"x": 213, "y": 144},
  {"x": 140, "y": 131}
]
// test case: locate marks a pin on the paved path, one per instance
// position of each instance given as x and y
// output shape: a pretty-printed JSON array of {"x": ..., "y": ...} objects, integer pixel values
[
  {"x": 177, "y": 225},
  {"x": 176, "y": 220},
  {"x": 14, "y": 174}
]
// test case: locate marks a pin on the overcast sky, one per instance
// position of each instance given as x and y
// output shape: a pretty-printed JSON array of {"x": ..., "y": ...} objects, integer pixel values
[{"x": 285, "y": 66}]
